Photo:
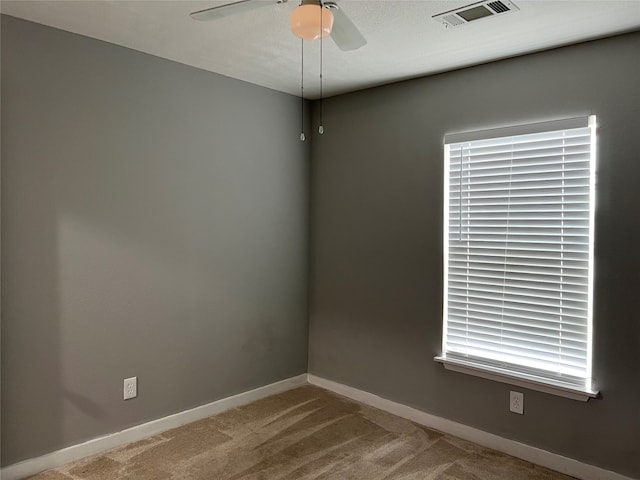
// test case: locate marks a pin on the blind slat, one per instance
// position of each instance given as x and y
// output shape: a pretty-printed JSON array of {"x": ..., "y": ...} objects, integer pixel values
[{"x": 569, "y": 332}]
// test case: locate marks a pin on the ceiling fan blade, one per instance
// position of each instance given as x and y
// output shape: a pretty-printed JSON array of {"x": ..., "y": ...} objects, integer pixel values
[
  {"x": 344, "y": 32},
  {"x": 231, "y": 9}
]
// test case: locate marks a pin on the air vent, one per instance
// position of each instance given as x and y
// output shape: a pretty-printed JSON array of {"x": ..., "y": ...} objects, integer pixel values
[
  {"x": 453, "y": 20},
  {"x": 498, "y": 7},
  {"x": 474, "y": 12}
]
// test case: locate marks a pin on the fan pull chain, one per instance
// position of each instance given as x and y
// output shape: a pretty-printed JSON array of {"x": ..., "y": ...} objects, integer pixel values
[
  {"x": 321, "y": 127},
  {"x": 302, "y": 137}
]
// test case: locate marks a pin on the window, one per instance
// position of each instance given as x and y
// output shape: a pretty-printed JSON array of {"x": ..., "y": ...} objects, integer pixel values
[{"x": 518, "y": 255}]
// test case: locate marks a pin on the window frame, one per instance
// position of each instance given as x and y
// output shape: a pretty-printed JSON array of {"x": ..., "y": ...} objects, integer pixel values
[{"x": 502, "y": 373}]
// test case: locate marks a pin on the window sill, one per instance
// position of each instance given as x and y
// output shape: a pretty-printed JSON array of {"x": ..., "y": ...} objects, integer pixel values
[{"x": 521, "y": 380}]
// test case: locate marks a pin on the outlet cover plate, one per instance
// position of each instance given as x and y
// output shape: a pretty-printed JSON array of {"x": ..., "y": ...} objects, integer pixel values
[
  {"x": 130, "y": 388},
  {"x": 516, "y": 402}
]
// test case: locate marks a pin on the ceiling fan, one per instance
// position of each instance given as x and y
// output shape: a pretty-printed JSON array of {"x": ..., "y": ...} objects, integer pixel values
[{"x": 342, "y": 30}]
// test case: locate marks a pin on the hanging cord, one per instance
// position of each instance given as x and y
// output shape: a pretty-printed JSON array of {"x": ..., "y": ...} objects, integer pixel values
[
  {"x": 321, "y": 127},
  {"x": 506, "y": 247},
  {"x": 302, "y": 137}
]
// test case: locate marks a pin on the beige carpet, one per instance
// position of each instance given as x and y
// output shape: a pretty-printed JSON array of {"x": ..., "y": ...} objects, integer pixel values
[{"x": 303, "y": 434}]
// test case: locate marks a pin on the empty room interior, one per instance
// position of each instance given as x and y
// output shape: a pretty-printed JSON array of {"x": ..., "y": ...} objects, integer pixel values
[{"x": 347, "y": 239}]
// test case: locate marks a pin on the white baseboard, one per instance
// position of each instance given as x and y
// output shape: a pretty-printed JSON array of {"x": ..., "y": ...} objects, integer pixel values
[
  {"x": 531, "y": 454},
  {"x": 97, "y": 445}
]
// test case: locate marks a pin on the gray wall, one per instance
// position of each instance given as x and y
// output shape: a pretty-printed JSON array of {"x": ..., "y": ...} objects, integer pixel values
[
  {"x": 376, "y": 243},
  {"x": 154, "y": 223}
]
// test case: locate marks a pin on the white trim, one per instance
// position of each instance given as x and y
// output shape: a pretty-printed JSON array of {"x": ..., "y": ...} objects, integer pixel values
[
  {"x": 97, "y": 445},
  {"x": 592, "y": 228},
  {"x": 154, "y": 427},
  {"x": 531, "y": 454},
  {"x": 514, "y": 130},
  {"x": 513, "y": 378},
  {"x": 445, "y": 245}
]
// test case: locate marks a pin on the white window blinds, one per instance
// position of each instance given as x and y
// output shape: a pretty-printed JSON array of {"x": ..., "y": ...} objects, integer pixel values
[{"x": 518, "y": 249}]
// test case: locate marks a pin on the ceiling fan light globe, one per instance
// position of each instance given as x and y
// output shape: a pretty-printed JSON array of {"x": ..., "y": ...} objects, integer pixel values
[{"x": 311, "y": 21}]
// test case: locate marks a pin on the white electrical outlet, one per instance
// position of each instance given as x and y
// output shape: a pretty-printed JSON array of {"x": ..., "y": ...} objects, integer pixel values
[
  {"x": 130, "y": 388},
  {"x": 516, "y": 402}
]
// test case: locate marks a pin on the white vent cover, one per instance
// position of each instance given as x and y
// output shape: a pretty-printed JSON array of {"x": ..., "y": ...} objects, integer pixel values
[{"x": 475, "y": 11}]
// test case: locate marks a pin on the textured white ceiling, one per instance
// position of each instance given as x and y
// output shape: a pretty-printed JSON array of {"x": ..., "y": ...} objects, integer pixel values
[{"x": 403, "y": 40}]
